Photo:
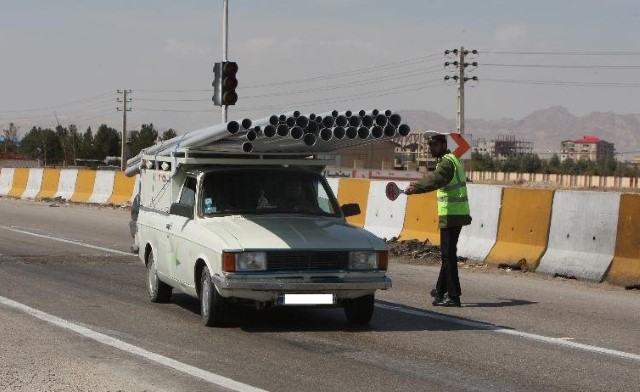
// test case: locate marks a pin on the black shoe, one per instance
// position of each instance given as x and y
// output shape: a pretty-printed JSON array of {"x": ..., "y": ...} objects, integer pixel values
[
  {"x": 437, "y": 297},
  {"x": 451, "y": 302}
]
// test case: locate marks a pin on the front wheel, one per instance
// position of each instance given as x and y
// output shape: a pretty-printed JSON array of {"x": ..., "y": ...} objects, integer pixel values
[
  {"x": 158, "y": 290},
  {"x": 212, "y": 304},
  {"x": 359, "y": 310}
]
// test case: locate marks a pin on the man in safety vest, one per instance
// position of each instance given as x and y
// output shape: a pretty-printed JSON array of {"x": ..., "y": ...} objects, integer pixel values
[{"x": 449, "y": 179}]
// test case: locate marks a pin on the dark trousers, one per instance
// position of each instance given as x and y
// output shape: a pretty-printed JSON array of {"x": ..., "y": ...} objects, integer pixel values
[{"x": 448, "y": 281}]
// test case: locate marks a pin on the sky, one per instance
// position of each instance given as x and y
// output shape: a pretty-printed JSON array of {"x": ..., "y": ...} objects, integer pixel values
[{"x": 63, "y": 61}]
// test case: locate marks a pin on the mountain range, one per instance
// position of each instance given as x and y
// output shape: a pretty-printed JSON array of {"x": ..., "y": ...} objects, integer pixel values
[{"x": 545, "y": 128}]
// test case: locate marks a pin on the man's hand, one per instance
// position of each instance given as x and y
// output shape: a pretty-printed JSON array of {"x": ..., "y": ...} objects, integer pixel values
[{"x": 410, "y": 190}]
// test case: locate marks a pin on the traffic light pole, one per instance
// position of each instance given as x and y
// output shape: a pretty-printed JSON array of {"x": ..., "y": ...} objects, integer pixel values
[{"x": 225, "y": 47}]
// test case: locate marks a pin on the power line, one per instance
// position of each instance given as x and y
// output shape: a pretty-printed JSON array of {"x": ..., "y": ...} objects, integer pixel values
[
  {"x": 564, "y": 83},
  {"x": 563, "y": 53},
  {"x": 563, "y": 66}
]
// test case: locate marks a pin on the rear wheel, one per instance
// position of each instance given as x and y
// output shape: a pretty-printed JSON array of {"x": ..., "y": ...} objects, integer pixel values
[
  {"x": 359, "y": 310},
  {"x": 212, "y": 304},
  {"x": 158, "y": 290}
]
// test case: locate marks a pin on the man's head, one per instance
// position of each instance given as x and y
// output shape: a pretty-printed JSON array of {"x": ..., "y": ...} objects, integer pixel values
[{"x": 437, "y": 145}]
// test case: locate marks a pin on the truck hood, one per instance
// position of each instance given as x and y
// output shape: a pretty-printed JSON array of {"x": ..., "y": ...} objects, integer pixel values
[{"x": 291, "y": 232}]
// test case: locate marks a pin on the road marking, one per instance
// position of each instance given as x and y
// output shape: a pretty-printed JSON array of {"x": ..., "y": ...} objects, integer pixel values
[
  {"x": 135, "y": 350},
  {"x": 65, "y": 240},
  {"x": 491, "y": 327}
]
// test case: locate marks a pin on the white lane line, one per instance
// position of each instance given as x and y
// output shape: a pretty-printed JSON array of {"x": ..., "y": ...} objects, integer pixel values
[
  {"x": 120, "y": 345},
  {"x": 526, "y": 335},
  {"x": 65, "y": 240}
]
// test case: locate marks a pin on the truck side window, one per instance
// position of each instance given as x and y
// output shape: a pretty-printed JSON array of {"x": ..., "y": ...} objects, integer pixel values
[{"x": 188, "y": 195}]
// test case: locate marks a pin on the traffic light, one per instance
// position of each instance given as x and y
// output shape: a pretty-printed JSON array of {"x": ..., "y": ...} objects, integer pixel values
[{"x": 225, "y": 83}]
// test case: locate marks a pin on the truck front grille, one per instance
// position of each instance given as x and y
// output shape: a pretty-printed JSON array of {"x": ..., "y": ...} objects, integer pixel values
[{"x": 307, "y": 261}]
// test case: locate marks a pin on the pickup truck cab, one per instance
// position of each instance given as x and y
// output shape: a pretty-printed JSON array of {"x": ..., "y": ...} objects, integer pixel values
[{"x": 267, "y": 231}]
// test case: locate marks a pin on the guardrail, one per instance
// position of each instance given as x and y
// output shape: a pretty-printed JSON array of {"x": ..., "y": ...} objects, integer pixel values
[{"x": 587, "y": 235}]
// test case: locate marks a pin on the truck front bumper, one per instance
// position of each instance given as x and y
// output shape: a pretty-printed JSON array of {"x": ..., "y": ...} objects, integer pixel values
[{"x": 312, "y": 285}]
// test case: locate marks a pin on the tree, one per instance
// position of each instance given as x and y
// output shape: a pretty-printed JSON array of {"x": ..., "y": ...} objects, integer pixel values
[
  {"x": 168, "y": 134},
  {"x": 44, "y": 139},
  {"x": 85, "y": 145},
  {"x": 10, "y": 138},
  {"x": 106, "y": 142},
  {"x": 530, "y": 163},
  {"x": 146, "y": 138}
]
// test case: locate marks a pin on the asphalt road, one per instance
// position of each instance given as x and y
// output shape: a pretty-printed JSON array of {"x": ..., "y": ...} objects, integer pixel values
[{"x": 74, "y": 316}]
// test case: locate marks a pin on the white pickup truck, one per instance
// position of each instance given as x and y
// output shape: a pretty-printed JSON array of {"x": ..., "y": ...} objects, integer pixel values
[{"x": 266, "y": 230}]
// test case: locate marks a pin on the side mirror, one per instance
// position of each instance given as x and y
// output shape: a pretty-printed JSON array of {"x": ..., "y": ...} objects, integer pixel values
[
  {"x": 185, "y": 210},
  {"x": 350, "y": 209}
]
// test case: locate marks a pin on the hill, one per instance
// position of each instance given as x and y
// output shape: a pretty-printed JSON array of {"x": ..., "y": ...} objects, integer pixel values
[{"x": 546, "y": 128}]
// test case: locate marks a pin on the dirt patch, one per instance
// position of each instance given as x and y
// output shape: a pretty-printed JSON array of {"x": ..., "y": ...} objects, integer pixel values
[{"x": 422, "y": 253}]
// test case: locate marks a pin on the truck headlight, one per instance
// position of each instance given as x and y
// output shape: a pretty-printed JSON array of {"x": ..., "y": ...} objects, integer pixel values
[
  {"x": 244, "y": 261},
  {"x": 363, "y": 260}
]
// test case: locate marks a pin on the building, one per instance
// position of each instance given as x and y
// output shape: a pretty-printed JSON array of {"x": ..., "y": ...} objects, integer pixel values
[
  {"x": 589, "y": 147},
  {"x": 503, "y": 147},
  {"x": 379, "y": 155}
]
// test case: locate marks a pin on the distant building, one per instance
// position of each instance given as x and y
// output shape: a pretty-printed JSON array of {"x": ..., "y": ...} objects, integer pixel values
[
  {"x": 369, "y": 156},
  {"x": 503, "y": 147},
  {"x": 589, "y": 147}
]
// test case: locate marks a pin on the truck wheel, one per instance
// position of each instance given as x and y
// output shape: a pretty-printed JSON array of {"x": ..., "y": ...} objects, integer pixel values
[
  {"x": 159, "y": 291},
  {"x": 212, "y": 304},
  {"x": 359, "y": 310}
]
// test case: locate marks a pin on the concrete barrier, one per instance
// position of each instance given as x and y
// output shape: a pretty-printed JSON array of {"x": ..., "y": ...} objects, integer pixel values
[
  {"x": 6, "y": 180},
  {"x": 625, "y": 267},
  {"x": 102, "y": 187},
  {"x": 582, "y": 236},
  {"x": 421, "y": 219},
  {"x": 124, "y": 188},
  {"x": 50, "y": 181},
  {"x": 354, "y": 191},
  {"x": 66, "y": 184},
  {"x": 34, "y": 183},
  {"x": 477, "y": 239},
  {"x": 523, "y": 229},
  {"x": 85, "y": 182},
  {"x": 19, "y": 184},
  {"x": 384, "y": 217}
]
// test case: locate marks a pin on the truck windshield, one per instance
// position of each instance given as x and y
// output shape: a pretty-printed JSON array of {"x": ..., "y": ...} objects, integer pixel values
[{"x": 266, "y": 191}]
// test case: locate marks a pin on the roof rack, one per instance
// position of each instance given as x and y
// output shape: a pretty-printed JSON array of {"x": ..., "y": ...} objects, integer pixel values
[{"x": 187, "y": 156}]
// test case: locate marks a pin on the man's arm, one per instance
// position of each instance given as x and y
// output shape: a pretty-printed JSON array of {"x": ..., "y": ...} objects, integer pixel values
[{"x": 436, "y": 179}]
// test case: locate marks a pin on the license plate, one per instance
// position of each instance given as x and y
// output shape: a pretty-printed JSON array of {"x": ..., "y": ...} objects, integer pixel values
[{"x": 306, "y": 299}]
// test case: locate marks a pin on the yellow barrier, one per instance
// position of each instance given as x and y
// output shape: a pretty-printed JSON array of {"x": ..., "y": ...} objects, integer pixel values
[
  {"x": 523, "y": 228},
  {"x": 49, "y": 186},
  {"x": 625, "y": 268},
  {"x": 421, "y": 219},
  {"x": 84, "y": 186},
  {"x": 19, "y": 184},
  {"x": 353, "y": 190},
  {"x": 122, "y": 189}
]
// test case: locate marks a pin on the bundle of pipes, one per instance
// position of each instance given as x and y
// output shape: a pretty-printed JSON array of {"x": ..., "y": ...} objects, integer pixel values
[{"x": 291, "y": 132}]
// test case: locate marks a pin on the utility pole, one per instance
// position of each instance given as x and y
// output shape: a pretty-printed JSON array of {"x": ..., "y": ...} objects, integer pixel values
[
  {"x": 124, "y": 110},
  {"x": 460, "y": 78}
]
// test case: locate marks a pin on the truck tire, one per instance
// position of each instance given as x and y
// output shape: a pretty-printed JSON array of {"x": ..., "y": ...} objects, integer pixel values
[
  {"x": 159, "y": 291},
  {"x": 359, "y": 310},
  {"x": 212, "y": 305}
]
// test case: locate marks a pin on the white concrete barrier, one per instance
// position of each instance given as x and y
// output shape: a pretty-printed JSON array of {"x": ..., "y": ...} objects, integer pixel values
[
  {"x": 34, "y": 184},
  {"x": 6, "y": 180},
  {"x": 477, "y": 239},
  {"x": 103, "y": 186},
  {"x": 582, "y": 236},
  {"x": 67, "y": 184},
  {"x": 384, "y": 217}
]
